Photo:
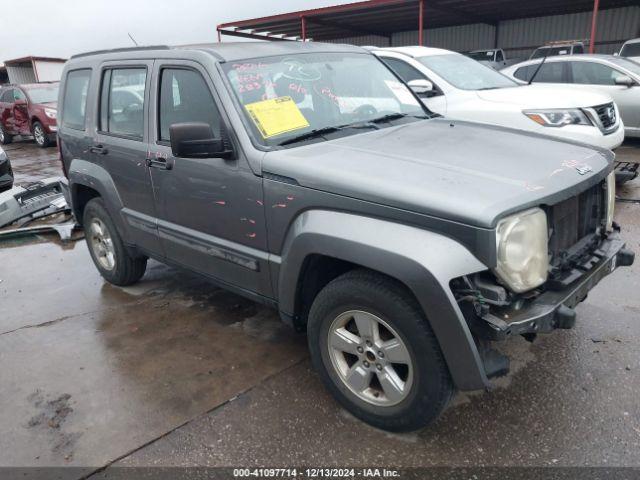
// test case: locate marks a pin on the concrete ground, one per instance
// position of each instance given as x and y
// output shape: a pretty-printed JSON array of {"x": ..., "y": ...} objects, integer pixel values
[{"x": 175, "y": 372}]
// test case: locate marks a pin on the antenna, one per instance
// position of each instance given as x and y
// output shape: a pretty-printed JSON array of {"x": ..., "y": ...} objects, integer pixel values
[
  {"x": 132, "y": 39},
  {"x": 539, "y": 67}
]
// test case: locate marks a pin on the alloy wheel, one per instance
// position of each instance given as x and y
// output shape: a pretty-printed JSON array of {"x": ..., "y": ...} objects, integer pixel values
[
  {"x": 102, "y": 244},
  {"x": 38, "y": 133},
  {"x": 371, "y": 359}
]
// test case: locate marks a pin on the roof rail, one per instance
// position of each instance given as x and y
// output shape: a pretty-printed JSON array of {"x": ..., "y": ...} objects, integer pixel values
[{"x": 125, "y": 49}]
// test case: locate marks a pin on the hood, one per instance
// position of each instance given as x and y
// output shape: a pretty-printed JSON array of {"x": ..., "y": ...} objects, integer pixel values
[
  {"x": 545, "y": 96},
  {"x": 455, "y": 170},
  {"x": 53, "y": 105}
]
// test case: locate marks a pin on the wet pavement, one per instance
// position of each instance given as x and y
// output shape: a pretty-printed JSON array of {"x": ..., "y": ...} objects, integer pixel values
[{"x": 175, "y": 372}]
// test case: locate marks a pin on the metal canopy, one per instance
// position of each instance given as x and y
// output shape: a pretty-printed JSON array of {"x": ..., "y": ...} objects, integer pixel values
[{"x": 385, "y": 17}]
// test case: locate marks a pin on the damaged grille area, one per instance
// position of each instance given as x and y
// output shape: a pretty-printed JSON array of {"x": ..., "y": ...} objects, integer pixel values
[
  {"x": 573, "y": 226},
  {"x": 607, "y": 116}
]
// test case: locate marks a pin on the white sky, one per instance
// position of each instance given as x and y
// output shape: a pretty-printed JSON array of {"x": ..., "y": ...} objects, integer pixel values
[{"x": 60, "y": 28}]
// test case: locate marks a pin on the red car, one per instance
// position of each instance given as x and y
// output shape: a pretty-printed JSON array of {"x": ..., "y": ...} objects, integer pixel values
[{"x": 29, "y": 110}]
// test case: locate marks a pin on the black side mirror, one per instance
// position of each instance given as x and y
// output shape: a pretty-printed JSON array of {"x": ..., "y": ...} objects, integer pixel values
[{"x": 196, "y": 140}]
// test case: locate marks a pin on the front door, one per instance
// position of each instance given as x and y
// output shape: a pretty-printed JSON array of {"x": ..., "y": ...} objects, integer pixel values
[
  {"x": 211, "y": 216},
  {"x": 20, "y": 113},
  {"x": 6, "y": 110},
  {"x": 121, "y": 146}
]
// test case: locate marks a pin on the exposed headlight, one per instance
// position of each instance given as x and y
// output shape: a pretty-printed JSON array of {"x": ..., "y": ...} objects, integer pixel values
[
  {"x": 611, "y": 199},
  {"x": 523, "y": 256},
  {"x": 558, "y": 117},
  {"x": 51, "y": 113}
]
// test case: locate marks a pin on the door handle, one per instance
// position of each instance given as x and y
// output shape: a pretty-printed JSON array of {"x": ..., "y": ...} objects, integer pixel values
[
  {"x": 161, "y": 163},
  {"x": 99, "y": 149}
]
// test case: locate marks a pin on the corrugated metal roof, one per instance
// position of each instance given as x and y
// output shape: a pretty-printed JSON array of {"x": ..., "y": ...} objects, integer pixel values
[{"x": 386, "y": 17}]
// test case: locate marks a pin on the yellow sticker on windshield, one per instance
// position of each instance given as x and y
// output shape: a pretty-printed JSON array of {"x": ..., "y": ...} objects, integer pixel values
[{"x": 276, "y": 116}]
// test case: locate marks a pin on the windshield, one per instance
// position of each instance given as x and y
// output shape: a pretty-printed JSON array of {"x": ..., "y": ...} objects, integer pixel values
[
  {"x": 465, "y": 73},
  {"x": 287, "y": 96},
  {"x": 43, "y": 94},
  {"x": 481, "y": 55},
  {"x": 630, "y": 50}
]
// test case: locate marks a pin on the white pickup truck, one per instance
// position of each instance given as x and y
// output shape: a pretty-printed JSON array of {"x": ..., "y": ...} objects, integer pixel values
[
  {"x": 461, "y": 88},
  {"x": 494, "y": 58}
]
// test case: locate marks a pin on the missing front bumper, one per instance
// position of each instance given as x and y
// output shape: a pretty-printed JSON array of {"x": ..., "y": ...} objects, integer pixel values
[{"x": 554, "y": 309}]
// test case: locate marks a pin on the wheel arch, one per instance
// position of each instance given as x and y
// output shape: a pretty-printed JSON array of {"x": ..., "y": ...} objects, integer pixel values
[{"x": 423, "y": 261}]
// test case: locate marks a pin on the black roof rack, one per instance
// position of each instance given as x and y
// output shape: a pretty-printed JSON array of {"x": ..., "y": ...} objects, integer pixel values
[{"x": 125, "y": 49}]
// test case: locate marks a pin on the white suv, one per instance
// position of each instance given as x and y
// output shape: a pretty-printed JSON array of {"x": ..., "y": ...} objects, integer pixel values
[{"x": 461, "y": 88}]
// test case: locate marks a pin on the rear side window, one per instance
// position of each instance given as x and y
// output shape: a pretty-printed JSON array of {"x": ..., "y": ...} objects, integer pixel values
[
  {"x": 578, "y": 49},
  {"x": 75, "y": 99},
  {"x": 185, "y": 97},
  {"x": 499, "y": 56},
  {"x": 122, "y": 102},
  {"x": 549, "y": 73},
  {"x": 7, "y": 96}
]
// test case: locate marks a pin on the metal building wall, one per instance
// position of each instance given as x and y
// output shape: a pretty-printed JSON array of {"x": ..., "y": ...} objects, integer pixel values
[
  {"x": 520, "y": 37},
  {"x": 20, "y": 74}
]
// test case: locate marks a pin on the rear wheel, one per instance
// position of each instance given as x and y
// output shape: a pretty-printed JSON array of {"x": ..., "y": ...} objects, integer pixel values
[
  {"x": 40, "y": 136},
  {"x": 375, "y": 351},
  {"x": 5, "y": 138},
  {"x": 109, "y": 254}
]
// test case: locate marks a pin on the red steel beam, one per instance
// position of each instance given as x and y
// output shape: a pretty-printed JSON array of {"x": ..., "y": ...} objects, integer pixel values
[
  {"x": 421, "y": 23},
  {"x": 594, "y": 26},
  {"x": 303, "y": 28}
]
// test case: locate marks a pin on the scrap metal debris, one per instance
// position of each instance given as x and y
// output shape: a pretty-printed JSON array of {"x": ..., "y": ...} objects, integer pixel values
[{"x": 21, "y": 205}]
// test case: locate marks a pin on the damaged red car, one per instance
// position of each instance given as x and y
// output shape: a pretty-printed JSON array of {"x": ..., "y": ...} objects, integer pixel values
[{"x": 29, "y": 110}]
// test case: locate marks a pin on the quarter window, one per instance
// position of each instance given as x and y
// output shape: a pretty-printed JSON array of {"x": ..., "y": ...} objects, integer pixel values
[
  {"x": 122, "y": 102},
  {"x": 74, "y": 106},
  {"x": 185, "y": 97}
]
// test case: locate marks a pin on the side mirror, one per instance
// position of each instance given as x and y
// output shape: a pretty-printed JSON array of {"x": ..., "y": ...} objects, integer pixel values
[
  {"x": 196, "y": 140},
  {"x": 616, "y": 54},
  {"x": 420, "y": 86},
  {"x": 20, "y": 101},
  {"x": 624, "y": 80}
]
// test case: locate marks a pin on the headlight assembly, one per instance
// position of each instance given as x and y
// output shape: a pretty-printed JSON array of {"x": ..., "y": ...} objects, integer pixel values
[
  {"x": 611, "y": 199},
  {"x": 523, "y": 257},
  {"x": 51, "y": 113},
  {"x": 558, "y": 117}
]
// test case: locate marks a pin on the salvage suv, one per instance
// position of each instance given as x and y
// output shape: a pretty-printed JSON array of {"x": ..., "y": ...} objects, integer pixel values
[{"x": 308, "y": 177}]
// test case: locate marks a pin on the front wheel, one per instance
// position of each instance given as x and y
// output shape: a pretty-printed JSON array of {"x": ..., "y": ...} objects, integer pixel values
[
  {"x": 108, "y": 252},
  {"x": 40, "y": 136},
  {"x": 375, "y": 351}
]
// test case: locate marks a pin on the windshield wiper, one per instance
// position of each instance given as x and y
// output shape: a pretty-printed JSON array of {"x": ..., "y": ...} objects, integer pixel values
[
  {"x": 320, "y": 132},
  {"x": 394, "y": 116}
]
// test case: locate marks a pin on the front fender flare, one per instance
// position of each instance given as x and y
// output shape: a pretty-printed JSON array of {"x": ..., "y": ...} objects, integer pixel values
[{"x": 424, "y": 261}]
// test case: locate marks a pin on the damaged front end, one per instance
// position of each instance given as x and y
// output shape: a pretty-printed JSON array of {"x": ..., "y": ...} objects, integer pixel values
[{"x": 583, "y": 245}]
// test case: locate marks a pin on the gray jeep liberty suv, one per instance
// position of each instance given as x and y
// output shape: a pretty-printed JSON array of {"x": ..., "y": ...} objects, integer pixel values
[{"x": 309, "y": 178}]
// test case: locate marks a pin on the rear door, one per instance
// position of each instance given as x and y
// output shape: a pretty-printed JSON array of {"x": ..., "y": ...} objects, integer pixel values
[
  {"x": 211, "y": 215},
  {"x": 6, "y": 110},
  {"x": 121, "y": 145}
]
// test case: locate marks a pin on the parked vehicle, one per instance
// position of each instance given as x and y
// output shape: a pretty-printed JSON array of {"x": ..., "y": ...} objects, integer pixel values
[
  {"x": 494, "y": 58},
  {"x": 614, "y": 76},
  {"x": 562, "y": 47},
  {"x": 308, "y": 177},
  {"x": 29, "y": 110},
  {"x": 631, "y": 50},
  {"x": 6, "y": 173},
  {"x": 458, "y": 87}
]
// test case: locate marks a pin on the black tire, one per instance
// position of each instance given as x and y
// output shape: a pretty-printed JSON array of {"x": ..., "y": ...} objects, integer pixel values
[
  {"x": 431, "y": 386},
  {"x": 5, "y": 138},
  {"x": 40, "y": 136},
  {"x": 127, "y": 269}
]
